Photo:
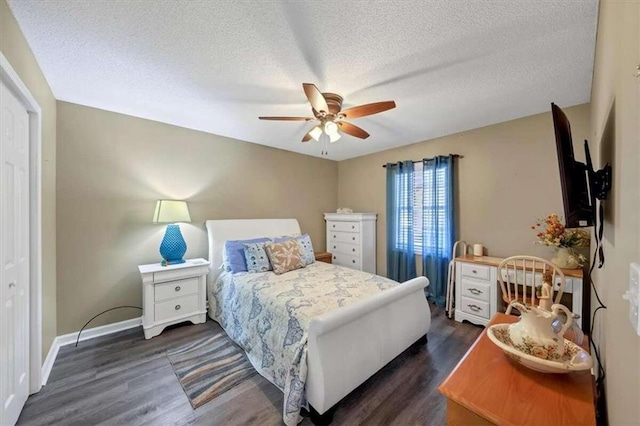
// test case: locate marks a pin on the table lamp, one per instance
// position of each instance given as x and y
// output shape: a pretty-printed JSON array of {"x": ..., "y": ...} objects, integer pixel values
[{"x": 173, "y": 246}]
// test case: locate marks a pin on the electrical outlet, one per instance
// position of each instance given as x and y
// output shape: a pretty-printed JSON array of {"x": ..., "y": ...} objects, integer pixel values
[{"x": 633, "y": 296}]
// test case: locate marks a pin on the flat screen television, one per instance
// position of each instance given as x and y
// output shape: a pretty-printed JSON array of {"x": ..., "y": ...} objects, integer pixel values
[{"x": 575, "y": 177}]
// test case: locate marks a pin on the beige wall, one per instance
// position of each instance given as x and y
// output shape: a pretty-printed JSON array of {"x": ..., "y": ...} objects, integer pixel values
[
  {"x": 507, "y": 179},
  {"x": 615, "y": 119},
  {"x": 17, "y": 51},
  {"x": 112, "y": 169}
]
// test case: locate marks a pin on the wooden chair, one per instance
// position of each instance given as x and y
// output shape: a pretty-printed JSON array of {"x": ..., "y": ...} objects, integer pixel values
[{"x": 519, "y": 276}]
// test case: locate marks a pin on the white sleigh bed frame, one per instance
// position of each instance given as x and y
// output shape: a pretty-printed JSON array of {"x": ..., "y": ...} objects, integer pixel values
[{"x": 348, "y": 345}]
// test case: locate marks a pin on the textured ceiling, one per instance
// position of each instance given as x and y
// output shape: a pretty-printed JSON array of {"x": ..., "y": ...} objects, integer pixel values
[{"x": 217, "y": 65}]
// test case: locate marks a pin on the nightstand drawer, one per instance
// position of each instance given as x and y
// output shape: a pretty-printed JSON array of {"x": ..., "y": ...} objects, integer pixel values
[
  {"x": 323, "y": 257},
  {"x": 344, "y": 237},
  {"x": 176, "y": 288},
  {"x": 176, "y": 274},
  {"x": 174, "y": 308},
  {"x": 344, "y": 226},
  {"x": 479, "y": 272},
  {"x": 475, "y": 307},
  {"x": 476, "y": 290}
]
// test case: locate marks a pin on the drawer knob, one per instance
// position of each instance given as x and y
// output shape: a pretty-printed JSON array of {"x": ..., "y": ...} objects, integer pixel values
[
  {"x": 334, "y": 246},
  {"x": 178, "y": 307},
  {"x": 178, "y": 288},
  {"x": 334, "y": 236},
  {"x": 334, "y": 226},
  {"x": 474, "y": 271},
  {"x": 353, "y": 227},
  {"x": 353, "y": 261},
  {"x": 353, "y": 238},
  {"x": 353, "y": 249},
  {"x": 475, "y": 308},
  {"x": 334, "y": 257},
  {"x": 475, "y": 291}
]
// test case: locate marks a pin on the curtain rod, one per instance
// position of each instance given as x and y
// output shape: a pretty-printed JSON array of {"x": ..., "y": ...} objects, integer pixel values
[{"x": 420, "y": 161}]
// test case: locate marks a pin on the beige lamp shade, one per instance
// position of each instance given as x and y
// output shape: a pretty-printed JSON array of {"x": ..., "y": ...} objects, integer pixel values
[{"x": 171, "y": 211}]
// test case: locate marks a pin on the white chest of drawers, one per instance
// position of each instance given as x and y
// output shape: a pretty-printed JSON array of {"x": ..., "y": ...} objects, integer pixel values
[
  {"x": 351, "y": 240},
  {"x": 476, "y": 292},
  {"x": 173, "y": 294}
]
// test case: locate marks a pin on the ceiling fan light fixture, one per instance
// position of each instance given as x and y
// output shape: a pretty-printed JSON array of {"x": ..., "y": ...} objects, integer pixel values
[
  {"x": 331, "y": 128},
  {"x": 334, "y": 137},
  {"x": 316, "y": 133}
]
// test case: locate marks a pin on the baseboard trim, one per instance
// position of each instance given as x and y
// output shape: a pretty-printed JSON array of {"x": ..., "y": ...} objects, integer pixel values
[
  {"x": 87, "y": 334},
  {"x": 49, "y": 360},
  {"x": 103, "y": 330}
]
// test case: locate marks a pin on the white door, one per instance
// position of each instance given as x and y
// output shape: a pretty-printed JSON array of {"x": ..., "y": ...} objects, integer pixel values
[{"x": 14, "y": 256}]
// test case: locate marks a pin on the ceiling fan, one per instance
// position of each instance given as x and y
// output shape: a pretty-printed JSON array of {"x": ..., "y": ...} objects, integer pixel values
[{"x": 327, "y": 109}]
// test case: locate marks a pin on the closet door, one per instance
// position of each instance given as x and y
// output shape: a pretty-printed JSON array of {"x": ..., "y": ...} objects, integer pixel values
[{"x": 14, "y": 256}]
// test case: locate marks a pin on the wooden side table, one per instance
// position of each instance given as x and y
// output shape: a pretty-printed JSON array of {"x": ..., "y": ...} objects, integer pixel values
[
  {"x": 323, "y": 257},
  {"x": 487, "y": 387},
  {"x": 173, "y": 294}
]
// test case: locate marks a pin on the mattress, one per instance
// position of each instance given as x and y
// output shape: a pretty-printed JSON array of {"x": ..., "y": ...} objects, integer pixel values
[{"x": 268, "y": 315}]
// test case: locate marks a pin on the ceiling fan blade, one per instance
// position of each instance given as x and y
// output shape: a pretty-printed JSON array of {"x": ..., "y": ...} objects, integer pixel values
[
  {"x": 353, "y": 130},
  {"x": 368, "y": 109},
  {"x": 317, "y": 101},
  {"x": 307, "y": 137},
  {"x": 288, "y": 118}
]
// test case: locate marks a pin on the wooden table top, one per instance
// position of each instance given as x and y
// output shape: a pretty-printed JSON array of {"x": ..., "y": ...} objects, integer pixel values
[
  {"x": 495, "y": 261},
  {"x": 487, "y": 382}
]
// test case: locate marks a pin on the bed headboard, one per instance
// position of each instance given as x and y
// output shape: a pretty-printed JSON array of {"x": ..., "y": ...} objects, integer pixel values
[{"x": 219, "y": 231}]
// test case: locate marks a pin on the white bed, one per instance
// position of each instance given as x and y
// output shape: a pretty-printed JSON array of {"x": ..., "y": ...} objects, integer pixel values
[{"x": 348, "y": 345}]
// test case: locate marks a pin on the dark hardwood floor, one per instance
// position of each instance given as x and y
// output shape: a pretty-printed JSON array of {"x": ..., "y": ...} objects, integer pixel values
[{"x": 125, "y": 379}]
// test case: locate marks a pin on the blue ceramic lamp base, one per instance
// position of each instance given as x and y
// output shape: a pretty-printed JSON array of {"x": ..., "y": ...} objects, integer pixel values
[{"x": 173, "y": 246}]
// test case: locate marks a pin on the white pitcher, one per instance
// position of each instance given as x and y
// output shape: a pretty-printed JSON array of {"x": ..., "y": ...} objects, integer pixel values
[{"x": 533, "y": 333}]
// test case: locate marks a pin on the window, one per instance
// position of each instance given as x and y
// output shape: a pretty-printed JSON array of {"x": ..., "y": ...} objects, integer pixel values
[{"x": 429, "y": 212}]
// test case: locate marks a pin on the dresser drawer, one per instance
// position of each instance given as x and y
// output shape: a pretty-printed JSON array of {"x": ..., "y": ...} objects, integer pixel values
[
  {"x": 475, "y": 307},
  {"x": 344, "y": 226},
  {"x": 345, "y": 248},
  {"x": 346, "y": 260},
  {"x": 176, "y": 288},
  {"x": 187, "y": 305},
  {"x": 344, "y": 237},
  {"x": 479, "y": 272},
  {"x": 476, "y": 289}
]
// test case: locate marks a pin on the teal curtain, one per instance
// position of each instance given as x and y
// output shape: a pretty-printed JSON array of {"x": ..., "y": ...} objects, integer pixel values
[
  {"x": 401, "y": 259},
  {"x": 437, "y": 223}
]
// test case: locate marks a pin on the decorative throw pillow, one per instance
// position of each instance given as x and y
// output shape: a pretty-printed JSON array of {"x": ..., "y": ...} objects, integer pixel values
[
  {"x": 284, "y": 256},
  {"x": 233, "y": 254},
  {"x": 256, "y": 257},
  {"x": 306, "y": 248}
]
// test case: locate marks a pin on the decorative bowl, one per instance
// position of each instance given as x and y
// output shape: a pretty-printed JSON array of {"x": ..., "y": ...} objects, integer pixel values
[{"x": 574, "y": 359}]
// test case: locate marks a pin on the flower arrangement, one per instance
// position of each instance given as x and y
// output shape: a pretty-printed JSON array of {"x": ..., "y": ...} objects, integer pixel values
[{"x": 555, "y": 234}]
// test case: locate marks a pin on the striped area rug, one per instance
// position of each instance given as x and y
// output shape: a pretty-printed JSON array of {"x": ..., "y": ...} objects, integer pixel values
[{"x": 209, "y": 367}]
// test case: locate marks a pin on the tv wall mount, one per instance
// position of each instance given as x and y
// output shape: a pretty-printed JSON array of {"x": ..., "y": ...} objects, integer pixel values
[{"x": 599, "y": 181}]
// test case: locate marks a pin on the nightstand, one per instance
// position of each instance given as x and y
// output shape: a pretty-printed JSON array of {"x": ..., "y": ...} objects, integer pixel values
[
  {"x": 173, "y": 294},
  {"x": 323, "y": 257}
]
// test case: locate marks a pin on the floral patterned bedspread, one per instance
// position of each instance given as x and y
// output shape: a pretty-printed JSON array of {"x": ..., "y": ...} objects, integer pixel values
[{"x": 268, "y": 315}]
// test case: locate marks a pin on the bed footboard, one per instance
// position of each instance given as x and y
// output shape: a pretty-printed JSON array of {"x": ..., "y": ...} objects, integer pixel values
[{"x": 349, "y": 345}]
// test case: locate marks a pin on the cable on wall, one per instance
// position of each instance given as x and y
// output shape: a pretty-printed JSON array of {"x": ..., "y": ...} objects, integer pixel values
[
  {"x": 103, "y": 312},
  {"x": 598, "y": 253}
]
